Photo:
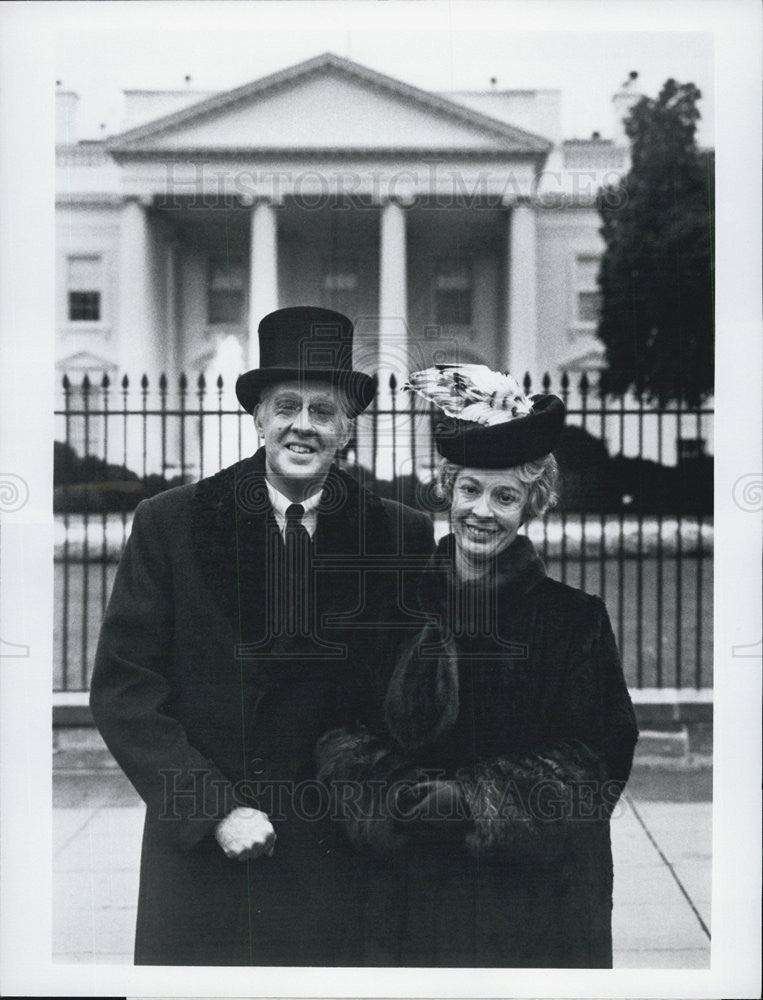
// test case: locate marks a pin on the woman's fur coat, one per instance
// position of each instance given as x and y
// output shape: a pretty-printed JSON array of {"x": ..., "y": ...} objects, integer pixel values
[{"x": 484, "y": 810}]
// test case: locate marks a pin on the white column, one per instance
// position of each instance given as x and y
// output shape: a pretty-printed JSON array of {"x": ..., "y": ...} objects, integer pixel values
[
  {"x": 137, "y": 348},
  {"x": 140, "y": 328},
  {"x": 393, "y": 339},
  {"x": 523, "y": 298},
  {"x": 393, "y": 296},
  {"x": 172, "y": 348},
  {"x": 263, "y": 272},
  {"x": 174, "y": 354}
]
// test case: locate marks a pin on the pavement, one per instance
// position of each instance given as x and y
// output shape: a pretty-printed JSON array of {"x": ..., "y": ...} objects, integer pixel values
[{"x": 661, "y": 841}]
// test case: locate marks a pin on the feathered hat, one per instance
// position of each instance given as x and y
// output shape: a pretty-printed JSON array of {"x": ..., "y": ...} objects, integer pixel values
[{"x": 489, "y": 423}]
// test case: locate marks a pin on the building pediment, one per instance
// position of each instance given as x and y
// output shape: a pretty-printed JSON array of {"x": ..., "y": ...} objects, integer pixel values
[{"x": 327, "y": 104}]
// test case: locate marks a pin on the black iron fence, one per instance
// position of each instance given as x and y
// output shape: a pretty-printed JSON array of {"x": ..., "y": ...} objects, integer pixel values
[{"x": 634, "y": 522}]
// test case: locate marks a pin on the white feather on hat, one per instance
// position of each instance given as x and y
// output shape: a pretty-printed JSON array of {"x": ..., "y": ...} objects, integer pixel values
[{"x": 471, "y": 392}]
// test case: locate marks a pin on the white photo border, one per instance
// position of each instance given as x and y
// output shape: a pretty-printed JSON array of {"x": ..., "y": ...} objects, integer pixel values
[{"x": 27, "y": 49}]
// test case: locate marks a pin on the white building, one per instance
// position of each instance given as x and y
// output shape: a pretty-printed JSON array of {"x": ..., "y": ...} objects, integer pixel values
[{"x": 448, "y": 226}]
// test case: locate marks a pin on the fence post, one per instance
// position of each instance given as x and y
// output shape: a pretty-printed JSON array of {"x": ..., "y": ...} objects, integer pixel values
[
  {"x": 201, "y": 387},
  {"x": 640, "y": 560},
  {"x": 85, "y": 546},
  {"x": 66, "y": 561},
  {"x": 546, "y": 384},
  {"x": 679, "y": 565},
  {"x": 602, "y": 512},
  {"x": 182, "y": 389},
  {"x": 565, "y": 385},
  {"x": 105, "y": 384},
  {"x": 163, "y": 418},
  {"x": 220, "y": 423},
  {"x": 584, "y": 387},
  {"x": 699, "y": 572}
]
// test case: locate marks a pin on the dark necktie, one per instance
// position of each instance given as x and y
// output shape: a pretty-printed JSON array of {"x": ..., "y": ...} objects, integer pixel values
[
  {"x": 295, "y": 533},
  {"x": 297, "y": 575}
]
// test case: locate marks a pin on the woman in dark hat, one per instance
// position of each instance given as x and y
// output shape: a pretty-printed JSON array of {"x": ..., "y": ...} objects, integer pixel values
[{"x": 484, "y": 810}]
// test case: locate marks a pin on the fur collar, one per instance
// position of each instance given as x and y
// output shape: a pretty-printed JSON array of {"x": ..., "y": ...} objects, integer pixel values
[
  {"x": 236, "y": 540},
  {"x": 474, "y": 604}
]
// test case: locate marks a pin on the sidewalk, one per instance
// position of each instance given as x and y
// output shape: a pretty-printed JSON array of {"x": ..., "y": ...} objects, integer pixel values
[{"x": 661, "y": 839}]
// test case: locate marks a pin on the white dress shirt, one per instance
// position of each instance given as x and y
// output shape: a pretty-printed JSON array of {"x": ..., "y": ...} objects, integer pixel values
[{"x": 279, "y": 503}]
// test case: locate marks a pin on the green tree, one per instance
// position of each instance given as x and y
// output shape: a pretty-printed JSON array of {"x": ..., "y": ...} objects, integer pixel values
[{"x": 656, "y": 276}]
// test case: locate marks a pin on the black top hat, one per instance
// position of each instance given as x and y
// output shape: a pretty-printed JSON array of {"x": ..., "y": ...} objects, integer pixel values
[
  {"x": 503, "y": 445},
  {"x": 301, "y": 343}
]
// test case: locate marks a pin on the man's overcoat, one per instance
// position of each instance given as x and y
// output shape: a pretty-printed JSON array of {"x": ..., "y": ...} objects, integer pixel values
[{"x": 208, "y": 702}]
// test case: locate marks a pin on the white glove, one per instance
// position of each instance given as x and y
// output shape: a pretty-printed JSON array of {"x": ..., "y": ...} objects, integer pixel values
[{"x": 246, "y": 833}]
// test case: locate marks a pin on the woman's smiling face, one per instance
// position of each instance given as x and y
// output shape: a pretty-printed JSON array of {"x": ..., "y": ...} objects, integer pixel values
[{"x": 486, "y": 512}]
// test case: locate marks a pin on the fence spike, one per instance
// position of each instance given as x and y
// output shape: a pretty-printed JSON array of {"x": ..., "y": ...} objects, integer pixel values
[
  {"x": 565, "y": 381},
  {"x": 584, "y": 385},
  {"x": 163, "y": 382},
  {"x": 105, "y": 381},
  {"x": 393, "y": 382},
  {"x": 375, "y": 379},
  {"x": 183, "y": 382},
  {"x": 86, "y": 384},
  {"x": 66, "y": 383},
  {"x": 201, "y": 382},
  {"x": 546, "y": 382},
  {"x": 220, "y": 383},
  {"x": 125, "y": 382},
  {"x": 526, "y": 383}
]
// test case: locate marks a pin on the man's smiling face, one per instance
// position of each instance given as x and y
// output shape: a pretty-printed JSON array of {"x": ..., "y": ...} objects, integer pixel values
[{"x": 302, "y": 425}]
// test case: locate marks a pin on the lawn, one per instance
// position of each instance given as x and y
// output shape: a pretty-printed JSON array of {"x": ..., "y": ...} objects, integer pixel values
[{"x": 661, "y": 611}]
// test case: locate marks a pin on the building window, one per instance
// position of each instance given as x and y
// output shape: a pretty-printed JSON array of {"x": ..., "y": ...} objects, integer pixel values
[
  {"x": 85, "y": 287},
  {"x": 225, "y": 293},
  {"x": 587, "y": 294},
  {"x": 453, "y": 292},
  {"x": 340, "y": 285}
]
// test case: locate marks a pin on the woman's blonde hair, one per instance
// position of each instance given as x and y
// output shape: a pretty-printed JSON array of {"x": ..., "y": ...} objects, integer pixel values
[{"x": 540, "y": 475}]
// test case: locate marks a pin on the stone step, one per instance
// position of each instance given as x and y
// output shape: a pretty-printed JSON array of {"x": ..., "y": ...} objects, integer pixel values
[{"x": 656, "y": 743}]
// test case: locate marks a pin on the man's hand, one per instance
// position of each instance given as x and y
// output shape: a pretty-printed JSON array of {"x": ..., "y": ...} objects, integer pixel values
[{"x": 246, "y": 833}]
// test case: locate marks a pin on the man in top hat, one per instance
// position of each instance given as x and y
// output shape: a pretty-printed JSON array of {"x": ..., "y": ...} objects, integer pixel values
[{"x": 251, "y": 612}]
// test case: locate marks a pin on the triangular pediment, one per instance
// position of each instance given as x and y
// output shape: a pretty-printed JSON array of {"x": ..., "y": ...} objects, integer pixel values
[{"x": 330, "y": 104}]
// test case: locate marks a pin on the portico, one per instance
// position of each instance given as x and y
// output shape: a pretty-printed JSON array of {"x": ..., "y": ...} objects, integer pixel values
[
  {"x": 407, "y": 275},
  {"x": 422, "y": 221}
]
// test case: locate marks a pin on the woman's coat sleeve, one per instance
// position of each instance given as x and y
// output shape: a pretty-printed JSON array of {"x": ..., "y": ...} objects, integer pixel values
[
  {"x": 362, "y": 772},
  {"x": 539, "y": 798},
  {"x": 130, "y": 690}
]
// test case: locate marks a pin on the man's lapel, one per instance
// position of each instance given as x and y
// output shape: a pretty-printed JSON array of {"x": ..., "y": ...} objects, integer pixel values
[
  {"x": 238, "y": 546},
  {"x": 234, "y": 533}
]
